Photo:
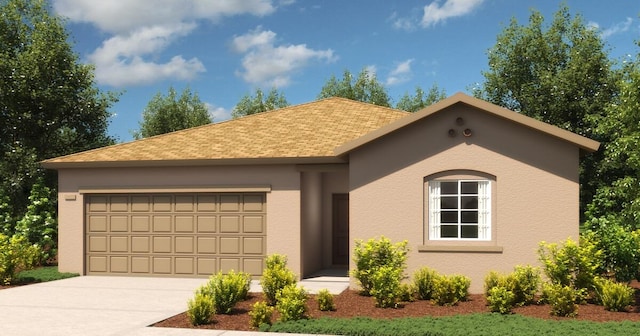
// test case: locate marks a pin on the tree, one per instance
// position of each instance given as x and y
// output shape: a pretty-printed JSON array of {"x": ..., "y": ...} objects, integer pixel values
[
  {"x": 170, "y": 113},
  {"x": 365, "y": 88},
  {"x": 49, "y": 103},
  {"x": 258, "y": 103},
  {"x": 619, "y": 198},
  {"x": 421, "y": 99},
  {"x": 560, "y": 75}
]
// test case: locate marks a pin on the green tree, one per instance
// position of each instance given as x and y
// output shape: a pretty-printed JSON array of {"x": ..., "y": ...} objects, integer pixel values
[
  {"x": 559, "y": 74},
  {"x": 365, "y": 88},
  {"x": 258, "y": 103},
  {"x": 421, "y": 99},
  {"x": 49, "y": 103},
  {"x": 39, "y": 224},
  {"x": 170, "y": 113},
  {"x": 619, "y": 198}
]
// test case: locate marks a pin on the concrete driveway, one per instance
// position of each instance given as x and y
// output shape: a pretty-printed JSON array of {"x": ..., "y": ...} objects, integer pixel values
[{"x": 92, "y": 305}]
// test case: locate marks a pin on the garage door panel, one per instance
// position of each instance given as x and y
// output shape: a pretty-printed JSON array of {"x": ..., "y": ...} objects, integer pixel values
[{"x": 183, "y": 234}]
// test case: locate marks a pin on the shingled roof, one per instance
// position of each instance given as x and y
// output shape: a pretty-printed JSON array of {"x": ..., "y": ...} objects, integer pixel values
[{"x": 306, "y": 133}]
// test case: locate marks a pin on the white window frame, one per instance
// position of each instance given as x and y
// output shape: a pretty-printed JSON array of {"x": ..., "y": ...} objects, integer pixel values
[{"x": 484, "y": 210}]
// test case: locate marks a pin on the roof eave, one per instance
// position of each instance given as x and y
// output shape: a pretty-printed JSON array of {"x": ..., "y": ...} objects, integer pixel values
[{"x": 192, "y": 162}]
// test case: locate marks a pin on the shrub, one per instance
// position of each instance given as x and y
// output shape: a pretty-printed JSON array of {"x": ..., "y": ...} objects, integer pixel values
[
  {"x": 449, "y": 290},
  {"x": 620, "y": 249},
  {"x": 275, "y": 277},
  {"x": 16, "y": 254},
  {"x": 200, "y": 309},
  {"x": 614, "y": 296},
  {"x": 424, "y": 281},
  {"x": 385, "y": 286},
  {"x": 493, "y": 279},
  {"x": 500, "y": 299},
  {"x": 260, "y": 314},
  {"x": 408, "y": 292},
  {"x": 372, "y": 255},
  {"x": 227, "y": 290},
  {"x": 525, "y": 281},
  {"x": 292, "y": 303},
  {"x": 325, "y": 301},
  {"x": 571, "y": 264},
  {"x": 561, "y": 298}
]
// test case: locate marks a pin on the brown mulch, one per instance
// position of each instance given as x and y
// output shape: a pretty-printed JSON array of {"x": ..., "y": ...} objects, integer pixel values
[{"x": 351, "y": 304}]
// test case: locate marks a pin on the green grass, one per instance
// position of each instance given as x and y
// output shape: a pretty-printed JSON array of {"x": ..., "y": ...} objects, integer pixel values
[
  {"x": 464, "y": 325},
  {"x": 42, "y": 274}
]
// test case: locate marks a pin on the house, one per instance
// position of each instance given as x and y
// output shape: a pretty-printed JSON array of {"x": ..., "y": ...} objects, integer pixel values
[{"x": 472, "y": 186}]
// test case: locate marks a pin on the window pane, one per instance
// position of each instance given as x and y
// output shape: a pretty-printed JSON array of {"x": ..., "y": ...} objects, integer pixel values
[
  {"x": 449, "y": 217},
  {"x": 448, "y": 188},
  {"x": 469, "y": 231},
  {"x": 448, "y": 202},
  {"x": 449, "y": 231},
  {"x": 469, "y": 187},
  {"x": 469, "y": 202},
  {"x": 469, "y": 217}
]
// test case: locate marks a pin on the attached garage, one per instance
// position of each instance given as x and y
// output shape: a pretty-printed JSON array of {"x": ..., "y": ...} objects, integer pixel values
[{"x": 174, "y": 234}]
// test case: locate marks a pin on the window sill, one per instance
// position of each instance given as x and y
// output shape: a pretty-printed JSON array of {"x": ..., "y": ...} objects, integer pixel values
[{"x": 460, "y": 249}]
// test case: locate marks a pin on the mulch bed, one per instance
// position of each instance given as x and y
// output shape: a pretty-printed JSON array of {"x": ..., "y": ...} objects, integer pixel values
[{"x": 351, "y": 304}]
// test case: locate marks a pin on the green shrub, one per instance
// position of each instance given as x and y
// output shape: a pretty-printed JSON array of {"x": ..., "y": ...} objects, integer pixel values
[
  {"x": 449, "y": 290},
  {"x": 491, "y": 280},
  {"x": 372, "y": 255},
  {"x": 16, "y": 254},
  {"x": 40, "y": 224},
  {"x": 292, "y": 303},
  {"x": 385, "y": 286},
  {"x": 227, "y": 290},
  {"x": 200, "y": 309},
  {"x": 408, "y": 292},
  {"x": 500, "y": 299},
  {"x": 260, "y": 314},
  {"x": 561, "y": 298},
  {"x": 424, "y": 281},
  {"x": 525, "y": 281},
  {"x": 620, "y": 249},
  {"x": 275, "y": 277},
  {"x": 325, "y": 301},
  {"x": 571, "y": 264},
  {"x": 614, "y": 296}
]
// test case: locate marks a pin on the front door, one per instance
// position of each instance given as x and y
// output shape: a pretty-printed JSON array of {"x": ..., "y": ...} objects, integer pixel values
[{"x": 340, "y": 229}]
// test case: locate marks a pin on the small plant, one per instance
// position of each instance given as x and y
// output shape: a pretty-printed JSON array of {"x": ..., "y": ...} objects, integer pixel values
[
  {"x": 325, "y": 301},
  {"x": 385, "y": 286},
  {"x": 16, "y": 254},
  {"x": 449, "y": 290},
  {"x": 525, "y": 281},
  {"x": 424, "y": 281},
  {"x": 500, "y": 300},
  {"x": 374, "y": 254},
  {"x": 614, "y": 296},
  {"x": 275, "y": 277},
  {"x": 200, "y": 309},
  {"x": 571, "y": 264},
  {"x": 227, "y": 290},
  {"x": 561, "y": 298},
  {"x": 408, "y": 292},
  {"x": 292, "y": 303},
  {"x": 260, "y": 314}
]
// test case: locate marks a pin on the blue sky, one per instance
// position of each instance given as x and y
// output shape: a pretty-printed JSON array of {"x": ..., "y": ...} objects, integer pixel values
[{"x": 225, "y": 49}]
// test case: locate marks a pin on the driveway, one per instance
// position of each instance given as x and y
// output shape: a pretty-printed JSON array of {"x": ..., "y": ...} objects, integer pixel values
[{"x": 91, "y": 305}]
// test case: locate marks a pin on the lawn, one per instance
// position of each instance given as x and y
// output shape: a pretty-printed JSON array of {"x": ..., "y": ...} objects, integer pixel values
[{"x": 41, "y": 274}]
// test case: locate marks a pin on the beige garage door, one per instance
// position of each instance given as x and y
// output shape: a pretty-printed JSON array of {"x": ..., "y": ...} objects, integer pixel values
[{"x": 175, "y": 234}]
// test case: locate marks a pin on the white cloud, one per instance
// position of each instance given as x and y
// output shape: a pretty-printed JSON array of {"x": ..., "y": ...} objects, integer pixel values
[
  {"x": 617, "y": 28},
  {"x": 218, "y": 113},
  {"x": 434, "y": 12},
  {"x": 401, "y": 73},
  {"x": 265, "y": 63},
  {"x": 141, "y": 30}
]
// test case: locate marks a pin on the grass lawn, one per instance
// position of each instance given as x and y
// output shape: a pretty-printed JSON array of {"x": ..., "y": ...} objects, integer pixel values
[
  {"x": 466, "y": 325},
  {"x": 42, "y": 274}
]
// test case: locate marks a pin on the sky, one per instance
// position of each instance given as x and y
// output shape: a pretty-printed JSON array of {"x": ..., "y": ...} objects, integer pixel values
[{"x": 225, "y": 49}]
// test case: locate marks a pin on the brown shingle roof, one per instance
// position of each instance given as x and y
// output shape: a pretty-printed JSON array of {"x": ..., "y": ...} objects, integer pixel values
[{"x": 306, "y": 131}]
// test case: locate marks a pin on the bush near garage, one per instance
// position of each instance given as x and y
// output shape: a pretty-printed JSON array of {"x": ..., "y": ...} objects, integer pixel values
[{"x": 275, "y": 277}]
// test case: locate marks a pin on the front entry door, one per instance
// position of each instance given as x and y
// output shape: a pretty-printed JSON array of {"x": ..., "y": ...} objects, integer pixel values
[{"x": 340, "y": 229}]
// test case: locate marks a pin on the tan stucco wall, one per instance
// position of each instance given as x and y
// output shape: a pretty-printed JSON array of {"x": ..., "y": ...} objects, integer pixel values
[
  {"x": 283, "y": 201},
  {"x": 536, "y": 189},
  {"x": 311, "y": 223}
]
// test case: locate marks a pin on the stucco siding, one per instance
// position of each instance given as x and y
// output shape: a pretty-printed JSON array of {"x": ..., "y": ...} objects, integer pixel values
[
  {"x": 283, "y": 200},
  {"x": 535, "y": 196}
]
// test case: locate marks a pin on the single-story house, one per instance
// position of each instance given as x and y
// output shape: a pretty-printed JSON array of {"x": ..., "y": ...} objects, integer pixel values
[{"x": 472, "y": 186}]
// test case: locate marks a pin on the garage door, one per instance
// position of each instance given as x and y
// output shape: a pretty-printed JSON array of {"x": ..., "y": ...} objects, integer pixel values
[{"x": 175, "y": 234}]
